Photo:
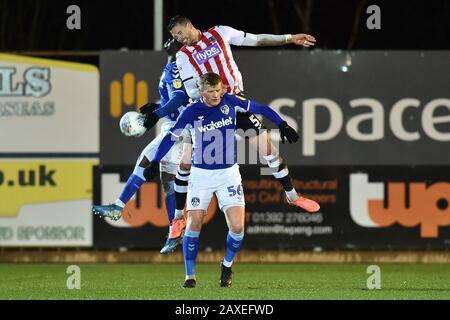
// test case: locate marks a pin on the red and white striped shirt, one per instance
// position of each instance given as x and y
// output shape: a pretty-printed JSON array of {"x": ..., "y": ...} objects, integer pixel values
[{"x": 212, "y": 53}]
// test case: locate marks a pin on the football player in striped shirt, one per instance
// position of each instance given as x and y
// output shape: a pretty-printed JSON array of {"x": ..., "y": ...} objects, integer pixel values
[{"x": 210, "y": 51}]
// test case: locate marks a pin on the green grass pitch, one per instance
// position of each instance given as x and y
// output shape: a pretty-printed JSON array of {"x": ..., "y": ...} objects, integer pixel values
[{"x": 250, "y": 282}]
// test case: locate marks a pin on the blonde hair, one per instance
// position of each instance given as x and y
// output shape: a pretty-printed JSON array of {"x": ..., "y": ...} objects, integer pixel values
[{"x": 209, "y": 79}]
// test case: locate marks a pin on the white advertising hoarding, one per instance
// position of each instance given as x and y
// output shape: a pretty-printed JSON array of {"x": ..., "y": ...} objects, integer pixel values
[{"x": 48, "y": 106}]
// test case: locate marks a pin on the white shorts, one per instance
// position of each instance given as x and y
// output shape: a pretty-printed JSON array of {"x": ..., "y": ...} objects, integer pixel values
[
  {"x": 225, "y": 183},
  {"x": 169, "y": 163}
]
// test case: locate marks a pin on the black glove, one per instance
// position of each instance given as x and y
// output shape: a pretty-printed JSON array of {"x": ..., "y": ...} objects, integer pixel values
[
  {"x": 287, "y": 132},
  {"x": 151, "y": 171},
  {"x": 151, "y": 119},
  {"x": 148, "y": 108}
]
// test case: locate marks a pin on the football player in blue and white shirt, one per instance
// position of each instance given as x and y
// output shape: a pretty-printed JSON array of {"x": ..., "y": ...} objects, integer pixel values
[
  {"x": 172, "y": 93},
  {"x": 212, "y": 123}
]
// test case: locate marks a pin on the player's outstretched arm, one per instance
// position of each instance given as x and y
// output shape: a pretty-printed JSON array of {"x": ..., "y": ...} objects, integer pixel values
[
  {"x": 301, "y": 39},
  {"x": 286, "y": 132},
  {"x": 264, "y": 110},
  {"x": 179, "y": 99},
  {"x": 241, "y": 38},
  {"x": 148, "y": 108},
  {"x": 166, "y": 144}
]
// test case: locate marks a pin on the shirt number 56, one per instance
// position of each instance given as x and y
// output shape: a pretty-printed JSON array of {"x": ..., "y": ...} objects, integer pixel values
[{"x": 232, "y": 190}]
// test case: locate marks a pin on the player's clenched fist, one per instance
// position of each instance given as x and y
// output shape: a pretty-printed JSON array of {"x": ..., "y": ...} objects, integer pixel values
[
  {"x": 151, "y": 118},
  {"x": 148, "y": 108},
  {"x": 288, "y": 133},
  {"x": 151, "y": 171}
]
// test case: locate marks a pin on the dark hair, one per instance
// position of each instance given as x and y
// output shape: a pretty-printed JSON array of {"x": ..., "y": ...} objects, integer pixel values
[
  {"x": 171, "y": 46},
  {"x": 177, "y": 20},
  {"x": 209, "y": 79}
]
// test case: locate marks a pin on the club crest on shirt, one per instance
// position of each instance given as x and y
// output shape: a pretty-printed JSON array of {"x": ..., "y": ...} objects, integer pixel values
[
  {"x": 225, "y": 109},
  {"x": 177, "y": 83},
  {"x": 195, "y": 201}
]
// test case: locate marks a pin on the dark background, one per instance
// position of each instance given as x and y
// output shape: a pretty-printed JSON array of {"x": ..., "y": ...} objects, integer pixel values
[{"x": 40, "y": 25}]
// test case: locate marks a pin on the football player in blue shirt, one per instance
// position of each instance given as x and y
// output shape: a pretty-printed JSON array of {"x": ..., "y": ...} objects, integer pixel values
[
  {"x": 173, "y": 98},
  {"x": 212, "y": 123}
]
